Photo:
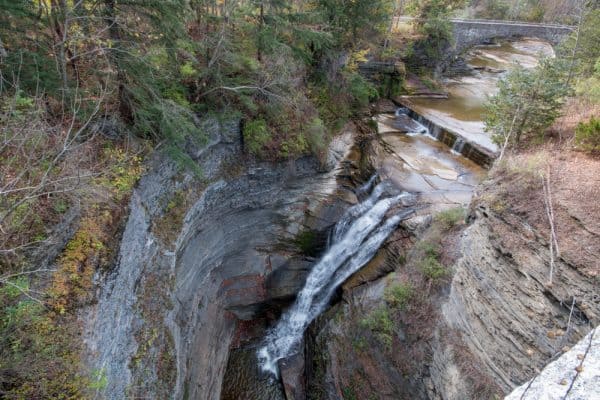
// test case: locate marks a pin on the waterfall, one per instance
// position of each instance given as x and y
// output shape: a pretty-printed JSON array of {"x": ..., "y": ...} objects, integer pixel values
[
  {"x": 355, "y": 211},
  {"x": 458, "y": 145},
  {"x": 352, "y": 247},
  {"x": 423, "y": 127},
  {"x": 366, "y": 188}
]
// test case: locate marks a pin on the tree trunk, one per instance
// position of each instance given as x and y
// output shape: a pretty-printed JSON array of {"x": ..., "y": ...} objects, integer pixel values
[
  {"x": 125, "y": 110},
  {"x": 58, "y": 18},
  {"x": 519, "y": 130},
  {"x": 3, "y": 52},
  {"x": 260, "y": 29}
]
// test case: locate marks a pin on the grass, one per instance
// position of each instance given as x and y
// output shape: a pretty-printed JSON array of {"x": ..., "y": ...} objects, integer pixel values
[
  {"x": 399, "y": 295},
  {"x": 449, "y": 218},
  {"x": 432, "y": 268},
  {"x": 429, "y": 253},
  {"x": 380, "y": 323}
]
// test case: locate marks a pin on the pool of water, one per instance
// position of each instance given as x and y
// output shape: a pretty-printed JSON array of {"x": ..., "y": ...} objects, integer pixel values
[{"x": 462, "y": 110}]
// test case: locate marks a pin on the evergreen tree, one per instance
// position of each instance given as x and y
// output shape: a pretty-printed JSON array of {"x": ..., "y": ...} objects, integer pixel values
[{"x": 527, "y": 102}]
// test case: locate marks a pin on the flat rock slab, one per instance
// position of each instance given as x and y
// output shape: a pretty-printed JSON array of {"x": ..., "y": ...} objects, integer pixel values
[{"x": 574, "y": 376}]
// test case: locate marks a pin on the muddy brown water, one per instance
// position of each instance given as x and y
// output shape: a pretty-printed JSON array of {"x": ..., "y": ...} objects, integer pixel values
[{"x": 462, "y": 110}]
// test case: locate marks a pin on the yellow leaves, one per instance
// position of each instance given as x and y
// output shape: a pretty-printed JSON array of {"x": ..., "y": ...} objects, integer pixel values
[
  {"x": 124, "y": 170},
  {"x": 85, "y": 252},
  {"x": 356, "y": 58}
]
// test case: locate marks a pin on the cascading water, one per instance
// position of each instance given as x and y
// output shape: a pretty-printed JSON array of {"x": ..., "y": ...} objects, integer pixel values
[
  {"x": 353, "y": 212},
  {"x": 351, "y": 248},
  {"x": 366, "y": 188},
  {"x": 458, "y": 146},
  {"x": 420, "y": 128}
]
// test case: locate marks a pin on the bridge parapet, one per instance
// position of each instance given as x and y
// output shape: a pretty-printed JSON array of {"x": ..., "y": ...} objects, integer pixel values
[
  {"x": 468, "y": 33},
  {"x": 471, "y": 32}
]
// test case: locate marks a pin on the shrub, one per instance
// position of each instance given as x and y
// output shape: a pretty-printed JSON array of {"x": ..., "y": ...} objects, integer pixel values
[
  {"x": 399, "y": 295},
  {"x": 316, "y": 134},
  {"x": 380, "y": 323},
  {"x": 430, "y": 249},
  {"x": 256, "y": 136},
  {"x": 432, "y": 268},
  {"x": 447, "y": 219},
  {"x": 587, "y": 135},
  {"x": 361, "y": 90}
]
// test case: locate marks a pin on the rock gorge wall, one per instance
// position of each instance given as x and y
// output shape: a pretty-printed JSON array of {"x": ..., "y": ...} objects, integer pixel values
[
  {"x": 203, "y": 264},
  {"x": 195, "y": 258},
  {"x": 493, "y": 322}
]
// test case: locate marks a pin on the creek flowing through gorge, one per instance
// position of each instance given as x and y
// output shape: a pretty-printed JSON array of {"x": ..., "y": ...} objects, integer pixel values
[
  {"x": 238, "y": 301},
  {"x": 419, "y": 165}
]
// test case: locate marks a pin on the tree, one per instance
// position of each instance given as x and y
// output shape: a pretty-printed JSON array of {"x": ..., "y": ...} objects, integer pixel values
[
  {"x": 352, "y": 21},
  {"x": 435, "y": 30},
  {"x": 527, "y": 102},
  {"x": 583, "y": 46}
]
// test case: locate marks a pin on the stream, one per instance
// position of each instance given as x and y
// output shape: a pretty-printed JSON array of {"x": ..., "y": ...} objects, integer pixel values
[{"x": 462, "y": 110}]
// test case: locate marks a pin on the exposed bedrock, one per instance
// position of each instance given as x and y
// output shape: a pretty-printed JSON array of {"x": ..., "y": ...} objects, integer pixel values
[
  {"x": 488, "y": 326},
  {"x": 198, "y": 256}
]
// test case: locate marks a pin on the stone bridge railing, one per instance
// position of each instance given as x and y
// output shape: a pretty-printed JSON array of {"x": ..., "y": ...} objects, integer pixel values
[
  {"x": 471, "y": 32},
  {"x": 468, "y": 33}
]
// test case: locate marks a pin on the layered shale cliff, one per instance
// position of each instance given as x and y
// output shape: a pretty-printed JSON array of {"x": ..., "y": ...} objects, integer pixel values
[{"x": 470, "y": 310}]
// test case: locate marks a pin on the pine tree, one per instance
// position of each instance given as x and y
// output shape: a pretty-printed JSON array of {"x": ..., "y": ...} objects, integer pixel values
[{"x": 527, "y": 102}]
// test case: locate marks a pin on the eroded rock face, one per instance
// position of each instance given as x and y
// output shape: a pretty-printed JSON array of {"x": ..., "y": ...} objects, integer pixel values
[
  {"x": 488, "y": 327},
  {"x": 168, "y": 312},
  {"x": 501, "y": 301}
]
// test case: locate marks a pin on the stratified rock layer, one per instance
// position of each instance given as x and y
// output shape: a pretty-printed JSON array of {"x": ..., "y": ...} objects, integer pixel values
[{"x": 167, "y": 314}]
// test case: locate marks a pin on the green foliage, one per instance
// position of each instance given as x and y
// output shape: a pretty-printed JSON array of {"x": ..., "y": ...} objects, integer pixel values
[
  {"x": 355, "y": 20},
  {"x": 380, "y": 323},
  {"x": 435, "y": 31},
  {"x": 447, "y": 219},
  {"x": 584, "y": 49},
  {"x": 432, "y": 268},
  {"x": 399, "y": 295},
  {"x": 316, "y": 135},
  {"x": 527, "y": 102},
  {"x": 494, "y": 9},
  {"x": 349, "y": 393},
  {"x": 362, "y": 91},
  {"x": 429, "y": 252},
  {"x": 37, "y": 360},
  {"x": 256, "y": 135},
  {"x": 429, "y": 248},
  {"x": 589, "y": 88},
  {"x": 360, "y": 344},
  {"x": 534, "y": 13},
  {"x": 587, "y": 135}
]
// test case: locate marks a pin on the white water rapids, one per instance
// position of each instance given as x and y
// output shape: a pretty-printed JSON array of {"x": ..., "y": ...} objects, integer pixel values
[{"x": 356, "y": 239}]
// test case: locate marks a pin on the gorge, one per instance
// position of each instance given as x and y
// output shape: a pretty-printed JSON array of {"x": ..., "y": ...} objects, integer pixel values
[
  {"x": 250, "y": 240},
  {"x": 300, "y": 200}
]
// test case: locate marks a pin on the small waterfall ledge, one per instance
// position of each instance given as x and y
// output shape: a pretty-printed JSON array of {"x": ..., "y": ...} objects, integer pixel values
[{"x": 450, "y": 137}]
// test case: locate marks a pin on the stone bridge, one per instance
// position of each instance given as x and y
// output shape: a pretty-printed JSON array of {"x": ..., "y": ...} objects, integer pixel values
[
  {"x": 471, "y": 32},
  {"x": 468, "y": 33}
]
